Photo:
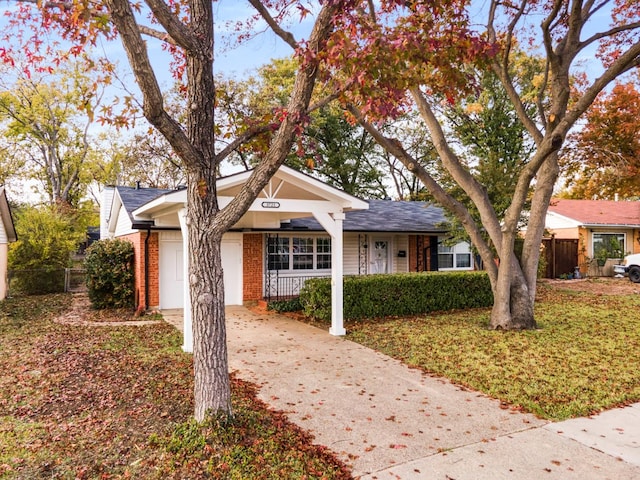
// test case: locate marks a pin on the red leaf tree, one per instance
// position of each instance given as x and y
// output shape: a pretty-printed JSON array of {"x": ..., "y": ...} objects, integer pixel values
[
  {"x": 186, "y": 29},
  {"x": 602, "y": 159},
  {"x": 417, "y": 55}
]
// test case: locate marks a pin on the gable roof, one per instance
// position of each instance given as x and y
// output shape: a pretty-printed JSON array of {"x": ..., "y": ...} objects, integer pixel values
[
  {"x": 6, "y": 218},
  {"x": 598, "y": 212},
  {"x": 386, "y": 216},
  {"x": 133, "y": 197}
]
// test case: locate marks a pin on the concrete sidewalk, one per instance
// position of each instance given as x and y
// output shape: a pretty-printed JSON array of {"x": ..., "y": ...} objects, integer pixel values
[{"x": 388, "y": 421}]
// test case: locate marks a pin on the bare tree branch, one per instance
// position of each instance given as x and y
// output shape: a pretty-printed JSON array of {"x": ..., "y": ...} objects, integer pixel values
[
  {"x": 600, "y": 35},
  {"x": 153, "y": 105},
  {"x": 283, "y": 34},
  {"x": 180, "y": 33},
  {"x": 394, "y": 147}
]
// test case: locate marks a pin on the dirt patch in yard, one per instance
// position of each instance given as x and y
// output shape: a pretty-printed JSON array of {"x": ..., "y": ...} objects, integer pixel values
[
  {"x": 596, "y": 285},
  {"x": 81, "y": 313}
]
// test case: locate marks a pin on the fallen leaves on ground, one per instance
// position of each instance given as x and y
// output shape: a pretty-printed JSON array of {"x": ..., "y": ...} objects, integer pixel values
[{"x": 115, "y": 402}]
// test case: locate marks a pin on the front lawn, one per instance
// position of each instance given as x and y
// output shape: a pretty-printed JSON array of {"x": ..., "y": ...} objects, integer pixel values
[
  {"x": 584, "y": 358},
  {"x": 87, "y": 402}
]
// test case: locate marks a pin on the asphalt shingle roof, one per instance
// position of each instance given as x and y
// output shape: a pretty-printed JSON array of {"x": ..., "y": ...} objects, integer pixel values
[
  {"x": 598, "y": 212},
  {"x": 386, "y": 216},
  {"x": 133, "y": 198},
  {"x": 382, "y": 215}
]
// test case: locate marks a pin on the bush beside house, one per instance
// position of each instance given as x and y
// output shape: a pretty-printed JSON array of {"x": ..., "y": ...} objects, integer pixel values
[
  {"x": 109, "y": 270},
  {"x": 375, "y": 296},
  {"x": 37, "y": 260}
]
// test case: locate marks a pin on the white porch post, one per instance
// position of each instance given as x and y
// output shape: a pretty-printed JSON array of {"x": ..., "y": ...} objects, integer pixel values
[
  {"x": 187, "y": 328},
  {"x": 333, "y": 225}
]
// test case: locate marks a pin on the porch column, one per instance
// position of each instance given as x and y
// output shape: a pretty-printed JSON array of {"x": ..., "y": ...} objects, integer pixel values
[
  {"x": 333, "y": 225},
  {"x": 187, "y": 335}
]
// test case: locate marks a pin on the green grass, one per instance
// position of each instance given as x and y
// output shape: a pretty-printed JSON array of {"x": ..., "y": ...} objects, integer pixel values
[
  {"x": 583, "y": 358},
  {"x": 81, "y": 402}
]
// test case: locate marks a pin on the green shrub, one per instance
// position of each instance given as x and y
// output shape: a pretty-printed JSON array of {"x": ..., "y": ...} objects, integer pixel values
[
  {"x": 280, "y": 306},
  {"x": 109, "y": 270},
  {"x": 46, "y": 240},
  {"x": 375, "y": 296},
  {"x": 36, "y": 282}
]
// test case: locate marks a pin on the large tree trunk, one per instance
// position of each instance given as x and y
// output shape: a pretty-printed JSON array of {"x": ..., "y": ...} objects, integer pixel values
[
  {"x": 212, "y": 391},
  {"x": 515, "y": 290},
  {"x": 195, "y": 145},
  {"x": 513, "y": 305}
]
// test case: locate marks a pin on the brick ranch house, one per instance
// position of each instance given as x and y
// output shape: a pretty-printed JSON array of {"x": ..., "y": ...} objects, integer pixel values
[{"x": 298, "y": 227}]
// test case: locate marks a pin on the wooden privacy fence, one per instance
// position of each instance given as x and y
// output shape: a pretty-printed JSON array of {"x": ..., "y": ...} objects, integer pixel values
[{"x": 561, "y": 256}]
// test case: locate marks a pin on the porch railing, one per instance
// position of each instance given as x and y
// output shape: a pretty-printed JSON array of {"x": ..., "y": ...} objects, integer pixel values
[{"x": 278, "y": 287}]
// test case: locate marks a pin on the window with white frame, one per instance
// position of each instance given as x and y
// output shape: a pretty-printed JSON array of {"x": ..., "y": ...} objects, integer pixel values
[
  {"x": 608, "y": 245},
  {"x": 297, "y": 253},
  {"x": 452, "y": 257}
]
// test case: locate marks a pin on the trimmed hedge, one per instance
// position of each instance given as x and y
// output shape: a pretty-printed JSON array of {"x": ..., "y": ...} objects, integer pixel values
[
  {"x": 375, "y": 296},
  {"x": 109, "y": 270}
]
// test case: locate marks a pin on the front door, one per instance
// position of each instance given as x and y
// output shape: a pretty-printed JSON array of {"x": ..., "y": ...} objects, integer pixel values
[{"x": 380, "y": 255}]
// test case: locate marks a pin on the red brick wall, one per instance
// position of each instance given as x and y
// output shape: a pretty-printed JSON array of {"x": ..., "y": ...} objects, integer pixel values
[
  {"x": 252, "y": 266},
  {"x": 154, "y": 270},
  {"x": 413, "y": 253},
  {"x": 138, "y": 241}
]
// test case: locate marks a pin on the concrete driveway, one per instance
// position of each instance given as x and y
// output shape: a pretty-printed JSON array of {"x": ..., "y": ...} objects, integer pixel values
[{"x": 388, "y": 421}]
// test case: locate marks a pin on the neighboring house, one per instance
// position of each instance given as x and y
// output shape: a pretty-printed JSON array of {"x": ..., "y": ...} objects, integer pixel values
[
  {"x": 7, "y": 235},
  {"x": 298, "y": 227},
  {"x": 604, "y": 230}
]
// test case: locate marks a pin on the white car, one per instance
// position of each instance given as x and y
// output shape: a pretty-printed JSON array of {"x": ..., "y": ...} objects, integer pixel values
[{"x": 630, "y": 266}]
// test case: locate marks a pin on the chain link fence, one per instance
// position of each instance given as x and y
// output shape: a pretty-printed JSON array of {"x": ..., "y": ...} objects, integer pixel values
[{"x": 41, "y": 281}]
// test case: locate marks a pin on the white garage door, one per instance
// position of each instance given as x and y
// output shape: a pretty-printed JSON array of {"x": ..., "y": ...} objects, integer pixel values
[
  {"x": 232, "y": 266},
  {"x": 171, "y": 270}
]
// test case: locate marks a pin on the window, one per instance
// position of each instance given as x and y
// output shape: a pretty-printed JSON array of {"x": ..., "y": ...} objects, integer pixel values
[
  {"x": 302, "y": 253},
  {"x": 278, "y": 253},
  {"x": 608, "y": 245},
  {"x": 445, "y": 256},
  {"x": 454, "y": 257},
  {"x": 324, "y": 254},
  {"x": 298, "y": 253}
]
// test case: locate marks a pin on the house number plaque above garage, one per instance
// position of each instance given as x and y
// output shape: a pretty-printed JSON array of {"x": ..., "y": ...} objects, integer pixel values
[{"x": 270, "y": 205}]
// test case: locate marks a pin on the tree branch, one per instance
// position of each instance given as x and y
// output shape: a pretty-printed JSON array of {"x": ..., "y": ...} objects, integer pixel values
[
  {"x": 285, "y": 135},
  {"x": 394, "y": 147},
  {"x": 476, "y": 192},
  {"x": 153, "y": 104},
  {"x": 157, "y": 34},
  {"x": 600, "y": 35},
  {"x": 283, "y": 34},
  {"x": 259, "y": 130},
  {"x": 180, "y": 33}
]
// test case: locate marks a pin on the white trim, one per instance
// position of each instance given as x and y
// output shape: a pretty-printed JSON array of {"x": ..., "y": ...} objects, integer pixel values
[
  {"x": 187, "y": 323},
  {"x": 290, "y": 271},
  {"x": 461, "y": 248},
  {"x": 333, "y": 225},
  {"x": 607, "y": 232},
  {"x": 169, "y": 202},
  {"x": 555, "y": 220}
]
